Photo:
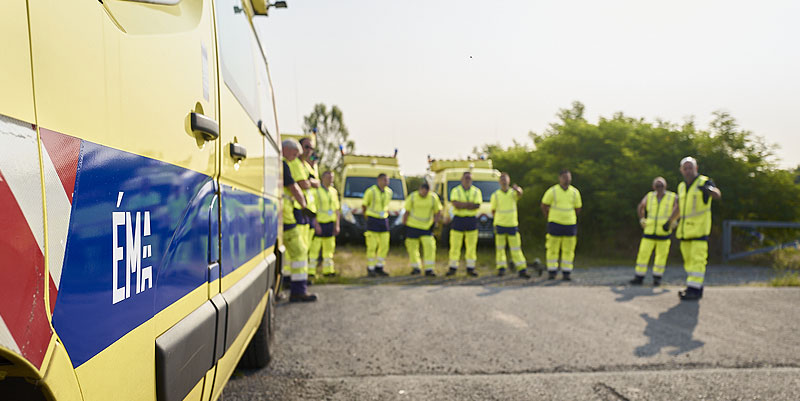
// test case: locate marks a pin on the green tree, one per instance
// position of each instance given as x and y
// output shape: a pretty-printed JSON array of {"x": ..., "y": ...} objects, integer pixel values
[
  {"x": 614, "y": 161},
  {"x": 331, "y": 134}
]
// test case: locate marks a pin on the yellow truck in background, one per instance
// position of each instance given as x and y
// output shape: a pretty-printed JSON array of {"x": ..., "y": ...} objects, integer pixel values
[
  {"x": 444, "y": 175},
  {"x": 360, "y": 172}
]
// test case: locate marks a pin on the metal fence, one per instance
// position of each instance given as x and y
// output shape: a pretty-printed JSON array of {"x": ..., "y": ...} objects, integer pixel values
[{"x": 728, "y": 225}]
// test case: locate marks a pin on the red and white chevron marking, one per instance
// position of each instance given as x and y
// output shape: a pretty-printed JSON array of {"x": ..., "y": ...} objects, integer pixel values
[{"x": 24, "y": 324}]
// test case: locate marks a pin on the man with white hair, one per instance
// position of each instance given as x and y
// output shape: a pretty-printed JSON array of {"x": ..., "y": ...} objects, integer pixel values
[
  {"x": 295, "y": 213},
  {"x": 654, "y": 210},
  {"x": 694, "y": 209}
]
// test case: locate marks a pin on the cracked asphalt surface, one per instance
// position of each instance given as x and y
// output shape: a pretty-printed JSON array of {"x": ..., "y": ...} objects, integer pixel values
[{"x": 540, "y": 340}]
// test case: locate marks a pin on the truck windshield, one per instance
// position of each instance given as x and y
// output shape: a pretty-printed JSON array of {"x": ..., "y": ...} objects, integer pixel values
[
  {"x": 354, "y": 187},
  {"x": 487, "y": 188}
]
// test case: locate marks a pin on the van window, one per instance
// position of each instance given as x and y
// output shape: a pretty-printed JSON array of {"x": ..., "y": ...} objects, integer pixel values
[
  {"x": 240, "y": 57},
  {"x": 354, "y": 187},
  {"x": 487, "y": 188}
]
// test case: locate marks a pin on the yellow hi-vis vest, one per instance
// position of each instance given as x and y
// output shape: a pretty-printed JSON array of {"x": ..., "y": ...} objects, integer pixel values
[
  {"x": 562, "y": 204},
  {"x": 658, "y": 213},
  {"x": 327, "y": 204},
  {"x": 695, "y": 222},
  {"x": 289, "y": 203},
  {"x": 471, "y": 195},
  {"x": 421, "y": 210},
  {"x": 504, "y": 205},
  {"x": 310, "y": 171},
  {"x": 377, "y": 201}
]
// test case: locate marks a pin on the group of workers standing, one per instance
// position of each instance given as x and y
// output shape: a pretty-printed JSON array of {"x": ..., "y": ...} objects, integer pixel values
[{"x": 311, "y": 221}]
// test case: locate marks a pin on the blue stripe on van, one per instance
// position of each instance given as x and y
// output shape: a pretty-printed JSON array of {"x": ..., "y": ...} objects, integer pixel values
[{"x": 179, "y": 203}]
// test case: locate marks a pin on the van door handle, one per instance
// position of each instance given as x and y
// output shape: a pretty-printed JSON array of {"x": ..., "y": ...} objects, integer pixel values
[
  {"x": 238, "y": 152},
  {"x": 204, "y": 126}
]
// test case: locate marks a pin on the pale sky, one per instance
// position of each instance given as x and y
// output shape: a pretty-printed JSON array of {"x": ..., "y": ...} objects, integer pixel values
[{"x": 402, "y": 74}]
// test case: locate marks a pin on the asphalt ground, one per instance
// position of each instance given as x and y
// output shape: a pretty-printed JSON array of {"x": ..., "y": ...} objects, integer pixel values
[{"x": 491, "y": 338}]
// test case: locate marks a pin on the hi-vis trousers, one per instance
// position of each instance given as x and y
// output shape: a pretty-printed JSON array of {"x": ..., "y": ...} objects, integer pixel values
[
  {"x": 470, "y": 240},
  {"x": 695, "y": 257},
  {"x": 514, "y": 245},
  {"x": 428, "y": 251},
  {"x": 328, "y": 247},
  {"x": 377, "y": 248},
  {"x": 646, "y": 248},
  {"x": 296, "y": 253},
  {"x": 566, "y": 246}
]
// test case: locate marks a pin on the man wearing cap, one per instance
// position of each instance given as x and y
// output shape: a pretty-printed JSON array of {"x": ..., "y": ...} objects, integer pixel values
[
  {"x": 506, "y": 230},
  {"x": 326, "y": 226},
  {"x": 423, "y": 209},
  {"x": 694, "y": 226},
  {"x": 295, "y": 211},
  {"x": 376, "y": 208},
  {"x": 310, "y": 166},
  {"x": 466, "y": 199},
  {"x": 561, "y": 205},
  {"x": 654, "y": 210}
]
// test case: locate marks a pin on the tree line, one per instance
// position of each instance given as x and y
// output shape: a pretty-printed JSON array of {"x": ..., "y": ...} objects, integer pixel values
[{"x": 614, "y": 161}]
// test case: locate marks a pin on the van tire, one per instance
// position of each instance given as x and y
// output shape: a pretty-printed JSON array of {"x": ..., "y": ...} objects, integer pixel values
[{"x": 259, "y": 351}]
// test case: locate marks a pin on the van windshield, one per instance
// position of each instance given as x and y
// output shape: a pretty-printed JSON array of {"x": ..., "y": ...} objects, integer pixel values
[
  {"x": 487, "y": 188},
  {"x": 354, "y": 187}
]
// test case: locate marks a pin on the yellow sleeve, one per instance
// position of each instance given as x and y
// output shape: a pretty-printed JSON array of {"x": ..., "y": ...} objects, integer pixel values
[
  {"x": 437, "y": 204},
  {"x": 407, "y": 204},
  {"x": 493, "y": 200},
  {"x": 479, "y": 199},
  {"x": 334, "y": 198},
  {"x": 547, "y": 199},
  {"x": 578, "y": 200},
  {"x": 368, "y": 197},
  {"x": 299, "y": 172},
  {"x": 454, "y": 195},
  {"x": 389, "y": 195}
]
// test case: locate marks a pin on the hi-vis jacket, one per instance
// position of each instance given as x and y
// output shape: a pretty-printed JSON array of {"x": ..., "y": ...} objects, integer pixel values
[
  {"x": 421, "y": 211},
  {"x": 658, "y": 213},
  {"x": 504, "y": 205},
  {"x": 562, "y": 204},
  {"x": 471, "y": 195},
  {"x": 377, "y": 201},
  {"x": 327, "y": 204},
  {"x": 695, "y": 212}
]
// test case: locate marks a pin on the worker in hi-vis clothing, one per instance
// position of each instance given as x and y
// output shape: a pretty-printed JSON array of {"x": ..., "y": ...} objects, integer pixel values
[
  {"x": 295, "y": 210},
  {"x": 506, "y": 227},
  {"x": 561, "y": 205},
  {"x": 326, "y": 226},
  {"x": 654, "y": 210},
  {"x": 423, "y": 210},
  {"x": 466, "y": 199},
  {"x": 694, "y": 227},
  {"x": 376, "y": 208},
  {"x": 310, "y": 166}
]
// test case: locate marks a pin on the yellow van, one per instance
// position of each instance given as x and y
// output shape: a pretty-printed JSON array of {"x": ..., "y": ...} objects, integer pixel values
[
  {"x": 361, "y": 172},
  {"x": 139, "y": 197},
  {"x": 446, "y": 175}
]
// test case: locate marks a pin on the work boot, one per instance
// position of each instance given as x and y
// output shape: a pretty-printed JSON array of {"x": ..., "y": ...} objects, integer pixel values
[
  {"x": 551, "y": 275},
  {"x": 415, "y": 271},
  {"x": 637, "y": 280},
  {"x": 501, "y": 272},
  {"x": 300, "y": 292},
  {"x": 471, "y": 272},
  {"x": 690, "y": 294},
  {"x": 565, "y": 276},
  {"x": 524, "y": 274},
  {"x": 303, "y": 297},
  {"x": 371, "y": 273},
  {"x": 429, "y": 273},
  {"x": 451, "y": 272},
  {"x": 656, "y": 281},
  {"x": 379, "y": 271}
]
